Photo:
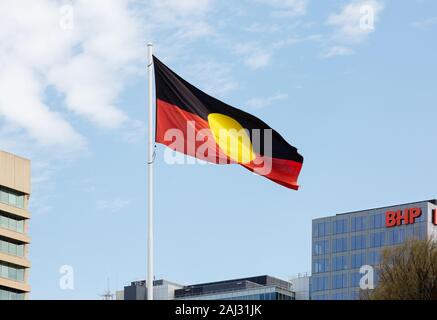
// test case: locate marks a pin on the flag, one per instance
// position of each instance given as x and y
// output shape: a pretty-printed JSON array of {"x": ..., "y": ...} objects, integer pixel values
[{"x": 191, "y": 122}]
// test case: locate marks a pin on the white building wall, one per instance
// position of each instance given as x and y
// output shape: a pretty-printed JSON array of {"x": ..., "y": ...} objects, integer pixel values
[{"x": 301, "y": 286}]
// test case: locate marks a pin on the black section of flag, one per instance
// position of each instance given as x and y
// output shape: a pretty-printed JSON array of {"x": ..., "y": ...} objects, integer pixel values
[{"x": 172, "y": 89}]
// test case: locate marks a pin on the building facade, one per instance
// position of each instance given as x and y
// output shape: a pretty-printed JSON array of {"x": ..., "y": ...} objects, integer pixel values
[
  {"x": 253, "y": 288},
  {"x": 300, "y": 285},
  {"x": 343, "y": 243},
  {"x": 14, "y": 217},
  {"x": 162, "y": 290}
]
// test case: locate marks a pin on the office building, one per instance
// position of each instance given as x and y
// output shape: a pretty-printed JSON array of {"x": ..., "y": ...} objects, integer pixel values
[
  {"x": 14, "y": 219},
  {"x": 343, "y": 243},
  {"x": 253, "y": 288},
  {"x": 162, "y": 290}
]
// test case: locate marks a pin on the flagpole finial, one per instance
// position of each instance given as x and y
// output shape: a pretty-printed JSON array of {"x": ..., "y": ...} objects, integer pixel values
[{"x": 149, "y": 44}]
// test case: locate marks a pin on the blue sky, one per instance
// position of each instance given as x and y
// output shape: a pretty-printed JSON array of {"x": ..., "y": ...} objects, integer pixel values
[{"x": 360, "y": 104}]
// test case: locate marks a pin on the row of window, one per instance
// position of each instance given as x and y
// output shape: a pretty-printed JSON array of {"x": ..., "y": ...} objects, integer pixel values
[
  {"x": 262, "y": 296},
  {"x": 339, "y": 281},
  {"x": 11, "y": 223},
  {"x": 344, "y": 262},
  {"x": 352, "y": 224},
  {"x": 11, "y": 272},
  {"x": 11, "y": 198},
  {"x": 10, "y": 295},
  {"x": 342, "y": 295},
  {"x": 374, "y": 240},
  {"x": 12, "y": 248}
]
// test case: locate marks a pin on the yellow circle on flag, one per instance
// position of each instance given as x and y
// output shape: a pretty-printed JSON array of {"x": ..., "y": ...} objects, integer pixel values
[{"x": 231, "y": 137}]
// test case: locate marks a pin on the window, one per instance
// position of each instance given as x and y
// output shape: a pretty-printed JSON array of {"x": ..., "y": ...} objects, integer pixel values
[
  {"x": 358, "y": 223},
  {"x": 12, "y": 248},
  {"x": 11, "y": 223},
  {"x": 4, "y": 197},
  {"x": 320, "y": 283},
  {"x": 339, "y": 296},
  {"x": 4, "y": 222},
  {"x": 355, "y": 295},
  {"x": 358, "y": 260},
  {"x": 321, "y": 247},
  {"x": 339, "y": 281},
  {"x": 339, "y": 245},
  {"x": 321, "y": 265},
  {"x": 340, "y": 226},
  {"x": 377, "y": 221},
  {"x": 377, "y": 239},
  {"x": 320, "y": 297},
  {"x": 339, "y": 263},
  {"x": 20, "y": 226},
  {"x": 10, "y": 295},
  {"x": 396, "y": 236},
  {"x": 321, "y": 229},
  {"x": 420, "y": 231},
  {"x": 11, "y": 198},
  {"x": 355, "y": 279},
  {"x": 358, "y": 242},
  {"x": 11, "y": 272},
  {"x": 374, "y": 258}
]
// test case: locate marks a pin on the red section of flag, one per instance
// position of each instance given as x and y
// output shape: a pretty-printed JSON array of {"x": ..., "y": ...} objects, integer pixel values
[{"x": 173, "y": 120}]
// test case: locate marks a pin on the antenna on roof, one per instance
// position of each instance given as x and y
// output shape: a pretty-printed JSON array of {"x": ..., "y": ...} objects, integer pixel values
[{"x": 107, "y": 295}]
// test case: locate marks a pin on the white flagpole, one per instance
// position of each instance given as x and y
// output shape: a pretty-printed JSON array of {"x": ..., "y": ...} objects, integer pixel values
[{"x": 150, "y": 177}]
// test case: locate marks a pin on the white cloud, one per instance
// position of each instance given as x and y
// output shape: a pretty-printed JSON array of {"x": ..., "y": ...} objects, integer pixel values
[
  {"x": 113, "y": 205},
  {"x": 425, "y": 23},
  {"x": 181, "y": 8},
  {"x": 22, "y": 104},
  {"x": 352, "y": 26},
  {"x": 260, "y": 28},
  {"x": 349, "y": 24},
  {"x": 84, "y": 60},
  {"x": 184, "y": 20},
  {"x": 259, "y": 103},
  {"x": 287, "y": 8},
  {"x": 286, "y": 42},
  {"x": 254, "y": 55},
  {"x": 337, "y": 51},
  {"x": 213, "y": 78}
]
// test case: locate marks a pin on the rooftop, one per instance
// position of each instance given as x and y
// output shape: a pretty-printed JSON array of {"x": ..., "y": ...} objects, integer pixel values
[
  {"x": 232, "y": 285},
  {"x": 433, "y": 201}
]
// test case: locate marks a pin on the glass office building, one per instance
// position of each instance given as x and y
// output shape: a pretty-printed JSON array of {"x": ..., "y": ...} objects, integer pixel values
[
  {"x": 254, "y": 288},
  {"x": 343, "y": 243}
]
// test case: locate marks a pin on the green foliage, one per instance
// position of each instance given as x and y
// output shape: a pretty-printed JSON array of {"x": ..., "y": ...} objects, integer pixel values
[{"x": 408, "y": 272}]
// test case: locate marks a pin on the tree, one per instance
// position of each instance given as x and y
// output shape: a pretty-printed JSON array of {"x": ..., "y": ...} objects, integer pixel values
[{"x": 408, "y": 272}]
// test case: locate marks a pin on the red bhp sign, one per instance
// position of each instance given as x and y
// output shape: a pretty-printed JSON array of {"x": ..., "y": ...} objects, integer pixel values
[{"x": 400, "y": 217}]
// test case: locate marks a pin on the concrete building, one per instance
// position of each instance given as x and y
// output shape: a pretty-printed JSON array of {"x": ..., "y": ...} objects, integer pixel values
[
  {"x": 14, "y": 217},
  {"x": 343, "y": 243},
  {"x": 162, "y": 290},
  {"x": 119, "y": 295},
  {"x": 300, "y": 285}
]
